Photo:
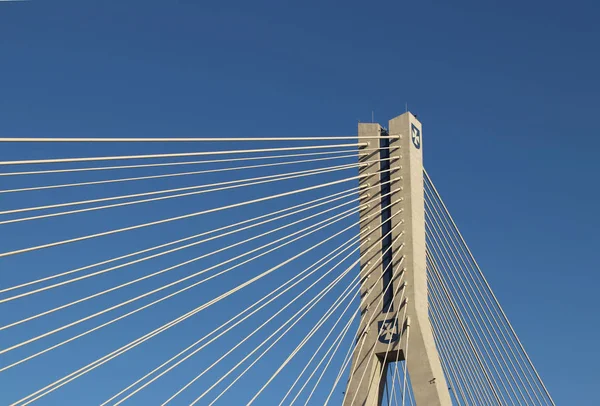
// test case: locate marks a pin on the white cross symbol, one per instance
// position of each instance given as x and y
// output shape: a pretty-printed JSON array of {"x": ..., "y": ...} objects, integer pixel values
[
  {"x": 416, "y": 137},
  {"x": 388, "y": 330}
]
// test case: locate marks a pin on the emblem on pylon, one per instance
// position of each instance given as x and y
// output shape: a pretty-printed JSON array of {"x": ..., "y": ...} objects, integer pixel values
[
  {"x": 388, "y": 331},
  {"x": 416, "y": 136}
]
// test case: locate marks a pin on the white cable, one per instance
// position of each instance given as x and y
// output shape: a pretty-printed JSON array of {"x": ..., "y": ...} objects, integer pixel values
[
  {"x": 194, "y": 139},
  {"x": 379, "y": 302},
  {"x": 349, "y": 353},
  {"x": 396, "y": 396},
  {"x": 237, "y": 226},
  {"x": 337, "y": 303},
  {"x": 248, "y": 336},
  {"x": 370, "y": 271},
  {"x": 74, "y": 375},
  {"x": 479, "y": 296},
  {"x": 393, "y": 390},
  {"x": 305, "y": 340},
  {"x": 331, "y": 357},
  {"x": 392, "y": 397},
  {"x": 218, "y": 186},
  {"x": 502, "y": 359},
  {"x": 490, "y": 291},
  {"x": 449, "y": 371},
  {"x": 339, "y": 216},
  {"x": 197, "y": 192},
  {"x": 300, "y": 276},
  {"x": 446, "y": 347},
  {"x": 176, "y": 155},
  {"x": 149, "y": 305},
  {"x": 457, "y": 381},
  {"x": 404, "y": 303},
  {"x": 198, "y": 376},
  {"x": 405, "y": 361},
  {"x": 371, "y": 318},
  {"x": 294, "y": 319},
  {"x": 177, "y": 266},
  {"x": 465, "y": 358},
  {"x": 443, "y": 304},
  {"x": 179, "y": 163},
  {"x": 147, "y": 276},
  {"x": 171, "y": 175},
  {"x": 308, "y": 336},
  {"x": 345, "y": 364},
  {"x": 387, "y": 386},
  {"x": 473, "y": 315},
  {"x": 503, "y": 356},
  {"x": 101, "y": 272},
  {"x": 297, "y": 316},
  {"x": 410, "y": 398},
  {"x": 186, "y": 216},
  {"x": 164, "y": 298},
  {"x": 468, "y": 312},
  {"x": 311, "y": 359},
  {"x": 465, "y": 331},
  {"x": 264, "y": 341}
]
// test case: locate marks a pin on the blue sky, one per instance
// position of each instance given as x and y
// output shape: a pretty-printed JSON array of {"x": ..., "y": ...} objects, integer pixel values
[{"x": 507, "y": 93}]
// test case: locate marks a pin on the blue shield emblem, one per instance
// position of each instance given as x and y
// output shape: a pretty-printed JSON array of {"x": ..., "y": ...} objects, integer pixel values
[
  {"x": 388, "y": 331},
  {"x": 416, "y": 136}
]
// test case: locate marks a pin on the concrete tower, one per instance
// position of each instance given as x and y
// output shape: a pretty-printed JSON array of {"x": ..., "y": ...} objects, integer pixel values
[{"x": 394, "y": 323}]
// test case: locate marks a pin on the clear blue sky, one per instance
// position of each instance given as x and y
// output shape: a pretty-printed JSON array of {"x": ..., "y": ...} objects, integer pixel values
[{"x": 507, "y": 93}]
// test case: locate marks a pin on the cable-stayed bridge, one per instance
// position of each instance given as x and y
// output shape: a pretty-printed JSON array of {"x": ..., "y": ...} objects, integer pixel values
[{"x": 267, "y": 271}]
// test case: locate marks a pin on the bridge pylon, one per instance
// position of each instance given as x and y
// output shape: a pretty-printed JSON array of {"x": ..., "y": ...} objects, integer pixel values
[{"x": 394, "y": 324}]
